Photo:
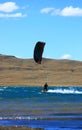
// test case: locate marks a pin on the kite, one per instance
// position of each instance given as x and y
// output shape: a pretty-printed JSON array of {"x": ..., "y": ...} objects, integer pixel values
[{"x": 38, "y": 51}]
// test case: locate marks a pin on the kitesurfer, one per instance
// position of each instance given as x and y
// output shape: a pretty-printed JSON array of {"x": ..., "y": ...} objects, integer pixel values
[{"x": 45, "y": 87}]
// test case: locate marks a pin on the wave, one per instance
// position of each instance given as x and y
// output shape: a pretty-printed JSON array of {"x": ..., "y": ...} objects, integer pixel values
[
  {"x": 59, "y": 116},
  {"x": 19, "y": 118},
  {"x": 27, "y": 117},
  {"x": 65, "y": 91},
  {"x": 3, "y": 88}
]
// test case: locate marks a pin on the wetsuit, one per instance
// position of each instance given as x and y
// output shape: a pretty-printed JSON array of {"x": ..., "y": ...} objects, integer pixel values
[{"x": 46, "y": 87}]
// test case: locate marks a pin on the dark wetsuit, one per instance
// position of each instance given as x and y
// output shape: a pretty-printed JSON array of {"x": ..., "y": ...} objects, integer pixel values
[{"x": 45, "y": 87}]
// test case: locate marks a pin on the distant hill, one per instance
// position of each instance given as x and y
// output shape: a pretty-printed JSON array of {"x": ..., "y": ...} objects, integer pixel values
[{"x": 25, "y": 72}]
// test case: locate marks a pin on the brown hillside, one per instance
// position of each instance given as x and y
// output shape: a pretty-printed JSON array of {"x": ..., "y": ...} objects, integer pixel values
[{"x": 18, "y": 72}]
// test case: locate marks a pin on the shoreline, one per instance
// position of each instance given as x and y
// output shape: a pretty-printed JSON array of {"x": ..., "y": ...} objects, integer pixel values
[
  {"x": 44, "y": 124},
  {"x": 40, "y": 85},
  {"x": 18, "y": 128}
]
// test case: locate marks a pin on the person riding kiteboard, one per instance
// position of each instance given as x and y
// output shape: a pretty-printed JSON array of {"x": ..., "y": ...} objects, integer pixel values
[{"x": 45, "y": 87}]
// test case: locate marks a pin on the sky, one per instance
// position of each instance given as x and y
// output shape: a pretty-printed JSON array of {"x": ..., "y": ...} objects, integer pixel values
[{"x": 56, "y": 22}]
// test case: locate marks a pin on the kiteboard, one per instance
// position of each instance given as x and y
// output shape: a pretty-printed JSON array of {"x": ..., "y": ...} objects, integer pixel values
[{"x": 43, "y": 90}]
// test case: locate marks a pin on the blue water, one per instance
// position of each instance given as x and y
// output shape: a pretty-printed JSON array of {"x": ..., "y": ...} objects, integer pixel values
[{"x": 59, "y": 108}]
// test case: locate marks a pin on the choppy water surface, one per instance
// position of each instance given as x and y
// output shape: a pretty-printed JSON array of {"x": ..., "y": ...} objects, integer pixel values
[{"x": 29, "y": 104}]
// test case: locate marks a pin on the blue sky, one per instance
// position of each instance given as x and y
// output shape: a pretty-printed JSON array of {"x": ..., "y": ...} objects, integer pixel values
[{"x": 56, "y": 22}]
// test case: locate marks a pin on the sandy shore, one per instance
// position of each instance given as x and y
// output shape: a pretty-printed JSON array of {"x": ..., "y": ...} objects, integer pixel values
[{"x": 17, "y": 128}]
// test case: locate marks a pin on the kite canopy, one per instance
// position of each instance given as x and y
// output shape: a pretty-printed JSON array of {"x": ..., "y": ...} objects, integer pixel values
[{"x": 38, "y": 51}]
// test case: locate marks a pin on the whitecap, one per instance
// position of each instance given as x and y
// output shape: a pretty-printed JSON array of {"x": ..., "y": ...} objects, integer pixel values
[{"x": 65, "y": 91}]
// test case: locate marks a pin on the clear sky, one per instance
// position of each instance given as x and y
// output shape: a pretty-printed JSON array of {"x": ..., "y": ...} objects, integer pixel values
[{"x": 56, "y": 22}]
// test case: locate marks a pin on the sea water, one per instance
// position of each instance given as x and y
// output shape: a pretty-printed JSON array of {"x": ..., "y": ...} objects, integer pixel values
[{"x": 60, "y": 108}]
